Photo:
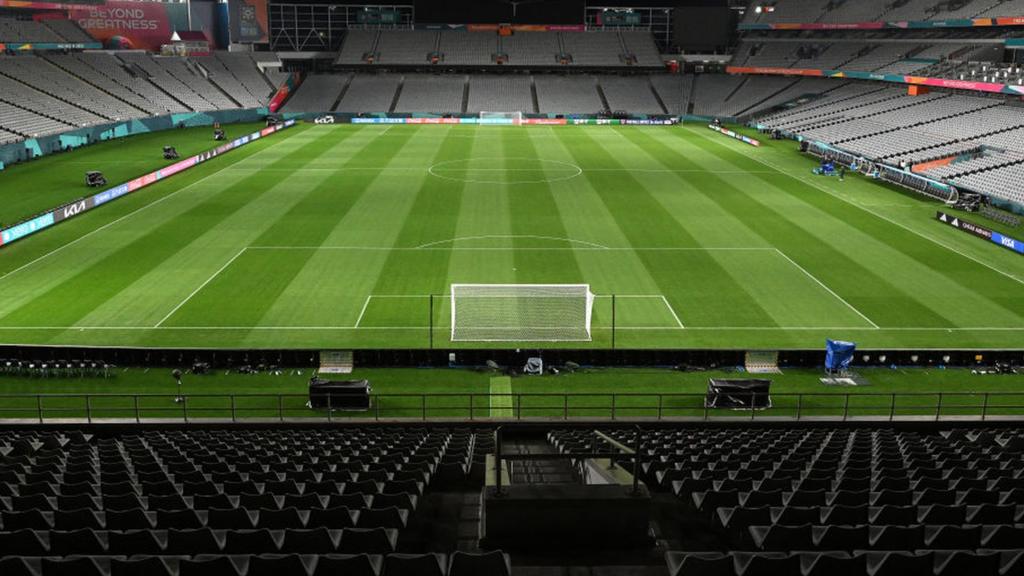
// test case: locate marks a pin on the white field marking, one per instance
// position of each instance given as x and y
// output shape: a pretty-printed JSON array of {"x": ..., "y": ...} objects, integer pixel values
[
  {"x": 673, "y": 312},
  {"x": 421, "y": 169},
  {"x": 878, "y": 215},
  {"x": 597, "y": 247},
  {"x": 827, "y": 289},
  {"x": 675, "y": 328},
  {"x": 201, "y": 286},
  {"x": 363, "y": 311},
  {"x": 128, "y": 215},
  {"x": 512, "y": 237},
  {"x": 542, "y": 161}
]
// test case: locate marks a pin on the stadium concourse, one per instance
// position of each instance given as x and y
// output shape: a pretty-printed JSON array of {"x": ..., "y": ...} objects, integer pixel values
[{"x": 529, "y": 288}]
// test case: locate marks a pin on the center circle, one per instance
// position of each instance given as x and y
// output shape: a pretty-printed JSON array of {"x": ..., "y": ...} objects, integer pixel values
[{"x": 505, "y": 170}]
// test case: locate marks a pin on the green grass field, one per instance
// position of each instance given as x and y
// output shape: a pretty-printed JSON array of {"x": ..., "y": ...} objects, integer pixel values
[
  {"x": 335, "y": 236},
  {"x": 460, "y": 394}
]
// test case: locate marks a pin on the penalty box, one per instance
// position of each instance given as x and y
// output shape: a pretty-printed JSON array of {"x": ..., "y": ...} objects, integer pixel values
[{"x": 366, "y": 288}]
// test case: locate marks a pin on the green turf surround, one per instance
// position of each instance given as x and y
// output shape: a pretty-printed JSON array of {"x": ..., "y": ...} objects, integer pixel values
[
  {"x": 333, "y": 236},
  {"x": 33, "y": 187},
  {"x": 446, "y": 394}
]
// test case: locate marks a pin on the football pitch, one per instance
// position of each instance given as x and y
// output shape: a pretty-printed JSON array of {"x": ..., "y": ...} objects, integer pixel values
[{"x": 350, "y": 236}]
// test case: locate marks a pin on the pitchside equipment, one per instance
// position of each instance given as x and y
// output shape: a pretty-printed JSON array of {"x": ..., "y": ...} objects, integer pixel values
[
  {"x": 521, "y": 312},
  {"x": 515, "y": 117}
]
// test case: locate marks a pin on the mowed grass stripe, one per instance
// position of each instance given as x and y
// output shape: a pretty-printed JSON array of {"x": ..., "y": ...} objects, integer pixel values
[
  {"x": 951, "y": 276},
  {"x": 66, "y": 302},
  {"x": 914, "y": 283},
  {"x": 848, "y": 278},
  {"x": 586, "y": 218},
  {"x": 484, "y": 211},
  {"x": 694, "y": 282},
  {"x": 781, "y": 288},
  {"x": 534, "y": 212},
  {"x": 243, "y": 293},
  {"x": 158, "y": 295},
  {"x": 406, "y": 275},
  {"x": 38, "y": 252},
  {"x": 326, "y": 287},
  {"x": 177, "y": 256}
]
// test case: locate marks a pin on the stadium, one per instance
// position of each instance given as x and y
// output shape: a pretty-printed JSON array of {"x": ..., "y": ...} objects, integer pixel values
[{"x": 511, "y": 288}]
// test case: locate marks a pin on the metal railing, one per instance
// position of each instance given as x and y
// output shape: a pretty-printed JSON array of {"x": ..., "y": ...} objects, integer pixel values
[{"x": 508, "y": 407}]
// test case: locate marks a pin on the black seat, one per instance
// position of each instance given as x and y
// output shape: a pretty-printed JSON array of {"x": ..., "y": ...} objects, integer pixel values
[
  {"x": 308, "y": 541},
  {"x": 229, "y": 519},
  {"x": 139, "y": 566},
  {"x": 900, "y": 563},
  {"x": 837, "y": 564},
  {"x": 16, "y": 566},
  {"x": 76, "y": 542},
  {"x": 192, "y": 541},
  {"x": 207, "y": 565},
  {"x": 24, "y": 542},
  {"x": 280, "y": 519},
  {"x": 250, "y": 542},
  {"x": 769, "y": 564},
  {"x": 367, "y": 540},
  {"x": 495, "y": 563},
  {"x": 961, "y": 562},
  {"x": 347, "y": 564},
  {"x": 132, "y": 542},
  {"x": 277, "y": 565},
  {"x": 130, "y": 519},
  {"x": 700, "y": 564},
  {"x": 415, "y": 565},
  {"x": 333, "y": 518},
  {"x": 81, "y": 566}
]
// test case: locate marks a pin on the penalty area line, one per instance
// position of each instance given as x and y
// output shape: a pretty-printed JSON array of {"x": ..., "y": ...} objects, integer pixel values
[
  {"x": 363, "y": 311},
  {"x": 827, "y": 289},
  {"x": 201, "y": 286}
]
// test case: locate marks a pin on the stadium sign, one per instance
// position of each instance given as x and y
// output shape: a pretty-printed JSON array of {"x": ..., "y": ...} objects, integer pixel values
[
  {"x": 981, "y": 232},
  {"x": 48, "y": 219}
]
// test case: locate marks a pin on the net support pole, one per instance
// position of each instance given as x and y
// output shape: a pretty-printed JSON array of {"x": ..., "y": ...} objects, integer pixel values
[{"x": 430, "y": 321}]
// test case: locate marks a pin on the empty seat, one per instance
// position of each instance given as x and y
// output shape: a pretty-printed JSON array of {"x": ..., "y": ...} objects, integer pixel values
[
  {"x": 206, "y": 565},
  {"x": 367, "y": 540},
  {"x": 277, "y": 565},
  {"x": 700, "y": 564},
  {"x": 250, "y": 542},
  {"x": 494, "y": 563},
  {"x": 348, "y": 564},
  {"x": 139, "y": 566},
  {"x": 415, "y": 565},
  {"x": 81, "y": 566}
]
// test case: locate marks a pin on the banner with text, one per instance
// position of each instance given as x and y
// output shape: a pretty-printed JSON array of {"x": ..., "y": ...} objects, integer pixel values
[{"x": 132, "y": 25}]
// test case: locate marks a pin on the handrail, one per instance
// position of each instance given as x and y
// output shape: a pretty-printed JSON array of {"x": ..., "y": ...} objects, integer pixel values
[{"x": 890, "y": 406}]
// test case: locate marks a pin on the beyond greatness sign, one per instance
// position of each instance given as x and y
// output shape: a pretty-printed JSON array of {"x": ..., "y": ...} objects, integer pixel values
[{"x": 132, "y": 25}]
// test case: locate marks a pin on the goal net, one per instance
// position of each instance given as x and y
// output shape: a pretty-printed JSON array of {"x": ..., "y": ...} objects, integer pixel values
[
  {"x": 521, "y": 312},
  {"x": 515, "y": 118}
]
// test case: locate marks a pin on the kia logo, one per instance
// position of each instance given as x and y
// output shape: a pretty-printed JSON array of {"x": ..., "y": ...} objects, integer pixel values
[{"x": 74, "y": 209}]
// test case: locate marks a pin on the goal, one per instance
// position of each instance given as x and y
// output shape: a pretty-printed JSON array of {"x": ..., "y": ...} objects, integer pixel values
[
  {"x": 515, "y": 118},
  {"x": 521, "y": 312}
]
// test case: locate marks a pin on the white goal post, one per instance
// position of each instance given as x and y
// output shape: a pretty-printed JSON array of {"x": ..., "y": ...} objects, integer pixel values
[
  {"x": 521, "y": 312},
  {"x": 515, "y": 117}
]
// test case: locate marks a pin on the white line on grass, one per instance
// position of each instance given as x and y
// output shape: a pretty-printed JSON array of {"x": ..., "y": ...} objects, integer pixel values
[
  {"x": 876, "y": 214},
  {"x": 672, "y": 311},
  {"x": 597, "y": 248},
  {"x": 512, "y": 237},
  {"x": 827, "y": 289},
  {"x": 363, "y": 311},
  {"x": 201, "y": 286},
  {"x": 689, "y": 328}
]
